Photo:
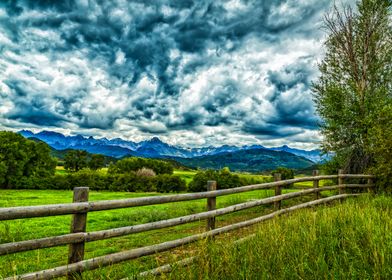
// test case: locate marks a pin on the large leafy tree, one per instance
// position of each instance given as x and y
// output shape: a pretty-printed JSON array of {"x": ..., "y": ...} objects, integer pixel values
[
  {"x": 20, "y": 157},
  {"x": 355, "y": 82},
  {"x": 96, "y": 162},
  {"x": 75, "y": 160}
]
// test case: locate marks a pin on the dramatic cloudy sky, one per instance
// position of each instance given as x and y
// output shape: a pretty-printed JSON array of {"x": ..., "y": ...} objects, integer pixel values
[{"x": 192, "y": 72}]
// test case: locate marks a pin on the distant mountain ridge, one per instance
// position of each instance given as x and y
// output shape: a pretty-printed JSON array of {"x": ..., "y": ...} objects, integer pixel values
[
  {"x": 153, "y": 148},
  {"x": 249, "y": 160}
]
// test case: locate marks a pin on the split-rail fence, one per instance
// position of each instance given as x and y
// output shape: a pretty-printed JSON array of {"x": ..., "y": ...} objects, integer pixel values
[{"x": 80, "y": 207}]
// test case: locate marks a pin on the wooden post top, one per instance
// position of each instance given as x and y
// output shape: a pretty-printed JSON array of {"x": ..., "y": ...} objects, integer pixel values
[{"x": 211, "y": 185}]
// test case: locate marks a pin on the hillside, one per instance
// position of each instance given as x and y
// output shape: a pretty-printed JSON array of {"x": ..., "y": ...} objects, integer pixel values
[{"x": 253, "y": 160}]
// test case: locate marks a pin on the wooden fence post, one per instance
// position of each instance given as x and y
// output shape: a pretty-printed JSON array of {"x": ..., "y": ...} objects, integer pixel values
[
  {"x": 342, "y": 190},
  {"x": 316, "y": 183},
  {"x": 341, "y": 181},
  {"x": 78, "y": 224},
  {"x": 211, "y": 204},
  {"x": 278, "y": 190},
  {"x": 370, "y": 189}
]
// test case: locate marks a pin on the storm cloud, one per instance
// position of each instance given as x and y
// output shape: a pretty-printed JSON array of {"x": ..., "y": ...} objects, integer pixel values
[{"x": 193, "y": 72}]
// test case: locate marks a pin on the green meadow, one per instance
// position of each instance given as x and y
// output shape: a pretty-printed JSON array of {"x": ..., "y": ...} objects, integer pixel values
[
  {"x": 351, "y": 240},
  {"x": 24, "y": 229},
  {"x": 346, "y": 240},
  {"x": 186, "y": 175}
]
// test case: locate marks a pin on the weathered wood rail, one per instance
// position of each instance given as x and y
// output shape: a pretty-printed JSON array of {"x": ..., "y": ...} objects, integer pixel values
[{"x": 81, "y": 207}]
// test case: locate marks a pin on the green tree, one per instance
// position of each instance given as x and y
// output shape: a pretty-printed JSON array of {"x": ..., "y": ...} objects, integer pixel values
[
  {"x": 199, "y": 181},
  {"x": 355, "y": 81},
  {"x": 169, "y": 183},
  {"x": 96, "y": 162},
  {"x": 75, "y": 160},
  {"x": 21, "y": 158},
  {"x": 224, "y": 179},
  {"x": 381, "y": 139}
]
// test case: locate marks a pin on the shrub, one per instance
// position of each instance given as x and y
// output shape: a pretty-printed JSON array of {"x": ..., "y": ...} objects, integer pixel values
[
  {"x": 199, "y": 182},
  {"x": 224, "y": 178},
  {"x": 130, "y": 182},
  {"x": 123, "y": 182},
  {"x": 88, "y": 178},
  {"x": 167, "y": 183},
  {"x": 145, "y": 172}
]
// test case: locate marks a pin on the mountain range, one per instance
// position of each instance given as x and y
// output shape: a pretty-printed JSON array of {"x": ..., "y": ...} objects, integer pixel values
[
  {"x": 250, "y": 160},
  {"x": 153, "y": 148},
  {"x": 245, "y": 158}
]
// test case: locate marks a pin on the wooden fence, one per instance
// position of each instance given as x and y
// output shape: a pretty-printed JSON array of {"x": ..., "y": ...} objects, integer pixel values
[{"x": 80, "y": 207}]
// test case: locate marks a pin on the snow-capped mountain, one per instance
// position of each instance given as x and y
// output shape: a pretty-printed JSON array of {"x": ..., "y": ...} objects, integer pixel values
[{"x": 149, "y": 148}]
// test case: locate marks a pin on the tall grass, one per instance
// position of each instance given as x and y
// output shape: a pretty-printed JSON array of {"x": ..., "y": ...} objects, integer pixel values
[
  {"x": 25, "y": 229},
  {"x": 352, "y": 240}
]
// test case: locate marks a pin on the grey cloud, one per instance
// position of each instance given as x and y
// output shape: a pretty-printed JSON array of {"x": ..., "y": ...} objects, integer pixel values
[
  {"x": 269, "y": 131},
  {"x": 145, "y": 57},
  {"x": 291, "y": 96}
]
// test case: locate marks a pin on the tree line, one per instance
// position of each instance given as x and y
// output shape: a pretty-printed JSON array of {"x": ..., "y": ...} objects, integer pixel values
[{"x": 27, "y": 164}]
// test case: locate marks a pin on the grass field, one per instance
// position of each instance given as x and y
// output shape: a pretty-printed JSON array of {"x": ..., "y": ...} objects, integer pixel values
[
  {"x": 25, "y": 229},
  {"x": 186, "y": 175},
  {"x": 60, "y": 170},
  {"x": 351, "y": 240},
  {"x": 189, "y": 174}
]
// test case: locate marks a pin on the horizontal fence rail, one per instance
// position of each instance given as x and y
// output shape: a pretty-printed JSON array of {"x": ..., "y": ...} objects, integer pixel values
[
  {"x": 110, "y": 259},
  {"x": 117, "y": 232},
  {"x": 77, "y": 238},
  {"x": 22, "y": 212}
]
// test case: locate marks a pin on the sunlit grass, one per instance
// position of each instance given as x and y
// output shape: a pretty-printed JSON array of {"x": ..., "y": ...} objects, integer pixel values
[
  {"x": 24, "y": 229},
  {"x": 186, "y": 175},
  {"x": 351, "y": 240}
]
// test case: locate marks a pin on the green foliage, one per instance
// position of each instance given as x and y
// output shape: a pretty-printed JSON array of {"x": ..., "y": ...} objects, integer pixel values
[
  {"x": 133, "y": 164},
  {"x": 75, "y": 160},
  {"x": 26, "y": 164},
  {"x": 224, "y": 178},
  {"x": 199, "y": 182},
  {"x": 22, "y": 159},
  {"x": 355, "y": 83},
  {"x": 166, "y": 183},
  {"x": 96, "y": 162},
  {"x": 129, "y": 182},
  {"x": 381, "y": 139},
  {"x": 332, "y": 166}
]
